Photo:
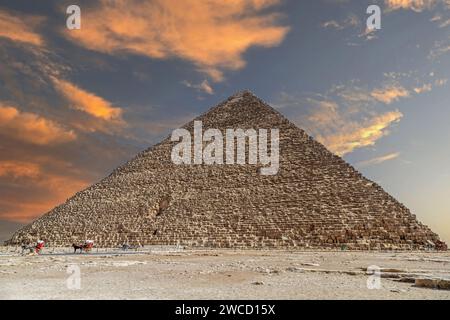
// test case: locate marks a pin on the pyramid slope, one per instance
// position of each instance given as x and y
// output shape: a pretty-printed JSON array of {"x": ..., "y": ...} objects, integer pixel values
[{"x": 316, "y": 200}]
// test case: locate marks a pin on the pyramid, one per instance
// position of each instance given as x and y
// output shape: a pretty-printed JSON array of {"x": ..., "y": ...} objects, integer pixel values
[{"x": 316, "y": 200}]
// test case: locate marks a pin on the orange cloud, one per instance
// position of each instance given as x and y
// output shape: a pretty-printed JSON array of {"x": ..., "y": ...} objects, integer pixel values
[
  {"x": 415, "y": 5},
  {"x": 212, "y": 34},
  {"x": 354, "y": 135},
  {"x": 32, "y": 128},
  {"x": 87, "y": 102},
  {"x": 19, "y": 169},
  {"x": 21, "y": 28},
  {"x": 390, "y": 94},
  {"x": 425, "y": 88}
]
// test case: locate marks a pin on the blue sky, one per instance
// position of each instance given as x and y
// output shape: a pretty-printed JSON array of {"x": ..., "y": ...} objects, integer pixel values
[{"x": 74, "y": 104}]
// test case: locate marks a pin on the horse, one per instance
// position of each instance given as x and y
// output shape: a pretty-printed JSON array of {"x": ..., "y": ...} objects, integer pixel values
[
  {"x": 29, "y": 247},
  {"x": 77, "y": 247},
  {"x": 87, "y": 246}
]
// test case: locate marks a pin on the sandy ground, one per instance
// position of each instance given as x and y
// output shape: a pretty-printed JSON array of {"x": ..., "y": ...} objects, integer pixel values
[{"x": 170, "y": 273}]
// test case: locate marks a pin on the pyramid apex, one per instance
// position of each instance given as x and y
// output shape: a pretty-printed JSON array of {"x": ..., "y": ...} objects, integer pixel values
[
  {"x": 243, "y": 93},
  {"x": 247, "y": 95}
]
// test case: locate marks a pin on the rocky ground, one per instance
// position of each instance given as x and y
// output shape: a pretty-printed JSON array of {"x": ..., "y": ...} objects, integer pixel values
[{"x": 172, "y": 273}]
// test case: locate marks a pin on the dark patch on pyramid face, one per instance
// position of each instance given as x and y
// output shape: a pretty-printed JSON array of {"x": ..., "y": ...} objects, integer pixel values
[{"x": 316, "y": 200}]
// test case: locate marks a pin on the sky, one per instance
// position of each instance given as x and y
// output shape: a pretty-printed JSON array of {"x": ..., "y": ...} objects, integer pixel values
[{"x": 74, "y": 104}]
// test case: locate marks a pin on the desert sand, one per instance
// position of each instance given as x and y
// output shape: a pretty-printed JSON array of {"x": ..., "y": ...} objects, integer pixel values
[{"x": 177, "y": 273}]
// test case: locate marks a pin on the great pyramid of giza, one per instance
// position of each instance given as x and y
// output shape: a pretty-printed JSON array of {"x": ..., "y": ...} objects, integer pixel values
[{"x": 316, "y": 200}]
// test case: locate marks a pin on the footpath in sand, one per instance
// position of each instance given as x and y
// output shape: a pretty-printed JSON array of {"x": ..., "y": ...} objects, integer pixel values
[{"x": 171, "y": 273}]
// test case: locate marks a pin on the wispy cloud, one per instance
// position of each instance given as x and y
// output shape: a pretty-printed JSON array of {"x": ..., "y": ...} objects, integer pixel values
[
  {"x": 203, "y": 86},
  {"x": 18, "y": 169},
  {"x": 211, "y": 34},
  {"x": 88, "y": 102},
  {"x": 390, "y": 93},
  {"x": 440, "y": 48},
  {"x": 415, "y": 5},
  {"x": 350, "y": 22},
  {"x": 368, "y": 34},
  {"x": 31, "y": 127},
  {"x": 20, "y": 28},
  {"x": 427, "y": 87},
  {"x": 359, "y": 135},
  {"x": 441, "y": 82},
  {"x": 424, "y": 88},
  {"x": 444, "y": 24},
  {"x": 378, "y": 160}
]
